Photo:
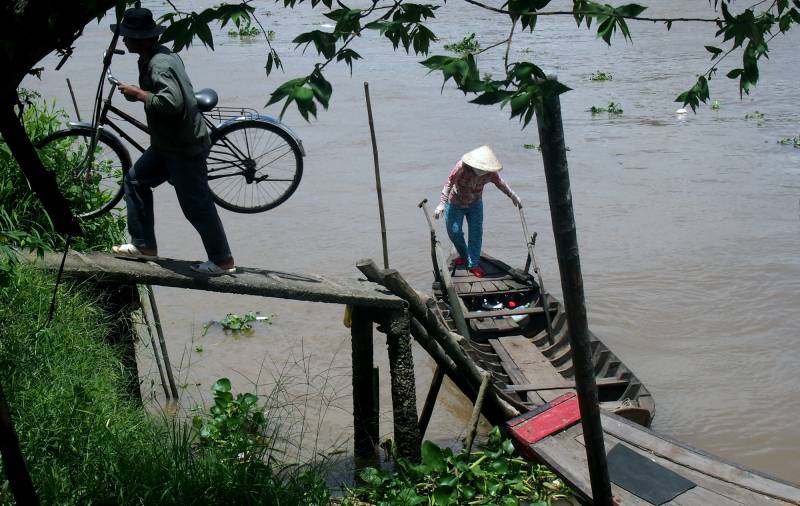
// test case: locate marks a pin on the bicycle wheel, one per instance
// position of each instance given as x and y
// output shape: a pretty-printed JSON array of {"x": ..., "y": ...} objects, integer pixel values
[
  {"x": 91, "y": 188},
  {"x": 253, "y": 166}
]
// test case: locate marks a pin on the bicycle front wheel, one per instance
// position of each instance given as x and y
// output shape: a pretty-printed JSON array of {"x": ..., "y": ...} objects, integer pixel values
[
  {"x": 91, "y": 180},
  {"x": 253, "y": 166}
]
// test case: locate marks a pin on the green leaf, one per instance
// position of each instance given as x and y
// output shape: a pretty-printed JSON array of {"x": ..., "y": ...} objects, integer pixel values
[
  {"x": 715, "y": 51},
  {"x": 324, "y": 43},
  {"x": 432, "y": 456},
  {"x": 221, "y": 385}
]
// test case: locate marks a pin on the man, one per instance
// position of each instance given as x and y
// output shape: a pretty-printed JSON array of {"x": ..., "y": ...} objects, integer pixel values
[{"x": 179, "y": 144}]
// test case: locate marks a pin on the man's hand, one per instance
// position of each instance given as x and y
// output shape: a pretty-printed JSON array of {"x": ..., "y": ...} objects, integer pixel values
[
  {"x": 132, "y": 93},
  {"x": 437, "y": 213}
]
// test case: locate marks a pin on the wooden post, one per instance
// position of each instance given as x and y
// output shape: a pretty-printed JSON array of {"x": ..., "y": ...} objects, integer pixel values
[
  {"x": 404, "y": 397},
  {"x": 365, "y": 415},
  {"x": 13, "y": 461},
  {"x": 430, "y": 401},
  {"x": 554, "y": 156}
]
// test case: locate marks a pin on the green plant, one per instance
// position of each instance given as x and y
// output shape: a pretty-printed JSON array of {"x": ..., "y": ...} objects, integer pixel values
[
  {"x": 601, "y": 76},
  {"x": 494, "y": 475},
  {"x": 538, "y": 147},
  {"x": 469, "y": 44},
  {"x": 790, "y": 141},
  {"x": 236, "y": 424},
  {"x": 236, "y": 322},
  {"x": 245, "y": 29},
  {"x": 756, "y": 115},
  {"x": 86, "y": 442},
  {"x": 611, "y": 109},
  {"x": 715, "y": 105},
  {"x": 23, "y": 222}
]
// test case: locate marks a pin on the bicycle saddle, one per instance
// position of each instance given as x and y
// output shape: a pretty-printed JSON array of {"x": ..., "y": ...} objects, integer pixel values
[{"x": 206, "y": 99}]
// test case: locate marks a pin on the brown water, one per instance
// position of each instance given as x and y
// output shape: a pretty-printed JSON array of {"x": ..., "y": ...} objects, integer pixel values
[{"x": 688, "y": 226}]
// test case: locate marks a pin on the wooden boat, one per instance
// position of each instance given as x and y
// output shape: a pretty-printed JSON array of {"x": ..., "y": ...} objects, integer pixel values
[{"x": 530, "y": 361}]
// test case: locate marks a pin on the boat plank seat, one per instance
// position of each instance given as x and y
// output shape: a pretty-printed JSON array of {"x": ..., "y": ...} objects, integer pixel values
[
  {"x": 534, "y": 368},
  {"x": 498, "y": 313}
]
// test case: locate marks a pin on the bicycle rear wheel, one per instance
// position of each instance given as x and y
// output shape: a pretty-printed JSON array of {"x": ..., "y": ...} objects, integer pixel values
[
  {"x": 253, "y": 166},
  {"x": 91, "y": 188}
]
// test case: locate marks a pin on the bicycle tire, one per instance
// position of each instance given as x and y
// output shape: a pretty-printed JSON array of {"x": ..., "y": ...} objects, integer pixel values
[
  {"x": 93, "y": 193},
  {"x": 239, "y": 179}
]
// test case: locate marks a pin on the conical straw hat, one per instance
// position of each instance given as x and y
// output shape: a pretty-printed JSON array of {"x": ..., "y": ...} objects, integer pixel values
[{"x": 482, "y": 158}]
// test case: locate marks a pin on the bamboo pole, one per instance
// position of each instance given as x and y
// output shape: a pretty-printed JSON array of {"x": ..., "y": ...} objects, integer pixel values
[
  {"x": 155, "y": 353},
  {"x": 430, "y": 400},
  {"x": 74, "y": 102},
  {"x": 377, "y": 177},
  {"x": 554, "y": 156},
  {"x": 476, "y": 411},
  {"x": 164, "y": 354}
]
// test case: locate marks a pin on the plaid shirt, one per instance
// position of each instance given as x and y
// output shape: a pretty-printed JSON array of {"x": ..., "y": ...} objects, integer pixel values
[{"x": 464, "y": 187}]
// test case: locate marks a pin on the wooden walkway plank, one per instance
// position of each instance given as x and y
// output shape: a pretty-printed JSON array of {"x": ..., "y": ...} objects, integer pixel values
[{"x": 246, "y": 281}]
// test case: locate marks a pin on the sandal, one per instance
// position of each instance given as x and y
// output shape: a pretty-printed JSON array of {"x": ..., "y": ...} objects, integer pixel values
[
  {"x": 129, "y": 250},
  {"x": 211, "y": 268},
  {"x": 477, "y": 271}
]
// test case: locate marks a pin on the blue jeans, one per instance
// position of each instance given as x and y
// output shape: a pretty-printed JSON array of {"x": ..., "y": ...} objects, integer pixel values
[
  {"x": 190, "y": 178},
  {"x": 454, "y": 220}
]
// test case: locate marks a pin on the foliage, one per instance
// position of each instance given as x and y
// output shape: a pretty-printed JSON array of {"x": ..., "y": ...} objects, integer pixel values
[
  {"x": 715, "y": 105},
  {"x": 236, "y": 322},
  {"x": 791, "y": 141},
  {"x": 612, "y": 109},
  {"x": 86, "y": 442},
  {"x": 23, "y": 221},
  {"x": 492, "y": 476},
  {"x": 236, "y": 424},
  {"x": 244, "y": 32},
  {"x": 756, "y": 115},
  {"x": 469, "y": 44},
  {"x": 601, "y": 76}
]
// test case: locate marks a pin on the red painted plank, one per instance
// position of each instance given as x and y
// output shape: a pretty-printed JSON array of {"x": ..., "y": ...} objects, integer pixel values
[{"x": 561, "y": 413}]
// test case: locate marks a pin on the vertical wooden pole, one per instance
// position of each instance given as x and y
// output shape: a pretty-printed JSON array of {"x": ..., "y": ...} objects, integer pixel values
[
  {"x": 554, "y": 155},
  {"x": 430, "y": 401},
  {"x": 377, "y": 177},
  {"x": 404, "y": 397},
  {"x": 365, "y": 416},
  {"x": 13, "y": 462}
]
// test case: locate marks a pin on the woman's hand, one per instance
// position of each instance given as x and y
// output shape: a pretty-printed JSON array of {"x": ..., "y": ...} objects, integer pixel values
[{"x": 438, "y": 211}]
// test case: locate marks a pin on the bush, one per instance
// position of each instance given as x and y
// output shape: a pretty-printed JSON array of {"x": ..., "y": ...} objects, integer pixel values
[
  {"x": 23, "y": 222},
  {"x": 86, "y": 442}
]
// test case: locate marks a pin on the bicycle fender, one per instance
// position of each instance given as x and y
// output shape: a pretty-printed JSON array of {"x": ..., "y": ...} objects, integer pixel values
[{"x": 272, "y": 121}]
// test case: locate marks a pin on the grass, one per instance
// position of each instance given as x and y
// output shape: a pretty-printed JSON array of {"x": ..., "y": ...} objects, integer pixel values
[{"x": 86, "y": 442}]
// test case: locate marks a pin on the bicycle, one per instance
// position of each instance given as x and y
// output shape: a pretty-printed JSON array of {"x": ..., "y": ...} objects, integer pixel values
[{"x": 255, "y": 162}]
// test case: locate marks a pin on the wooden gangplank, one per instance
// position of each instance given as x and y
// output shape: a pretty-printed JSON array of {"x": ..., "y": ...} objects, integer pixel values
[
  {"x": 717, "y": 482},
  {"x": 247, "y": 280}
]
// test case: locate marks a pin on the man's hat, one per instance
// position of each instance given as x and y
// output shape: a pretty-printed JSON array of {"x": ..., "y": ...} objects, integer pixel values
[
  {"x": 482, "y": 158},
  {"x": 138, "y": 24}
]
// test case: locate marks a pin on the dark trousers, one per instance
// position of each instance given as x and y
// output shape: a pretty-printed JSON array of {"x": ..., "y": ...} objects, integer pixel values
[{"x": 189, "y": 177}]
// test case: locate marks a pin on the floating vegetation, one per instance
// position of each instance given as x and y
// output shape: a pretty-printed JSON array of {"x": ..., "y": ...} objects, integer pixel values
[
  {"x": 791, "y": 141},
  {"x": 754, "y": 115},
  {"x": 469, "y": 44},
  {"x": 245, "y": 31},
  {"x": 601, "y": 76},
  {"x": 236, "y": 322},
  {"x": 612, "y": 109},
  {"x": 715, "y": 105},
  {"x": 538, "y": 147}
]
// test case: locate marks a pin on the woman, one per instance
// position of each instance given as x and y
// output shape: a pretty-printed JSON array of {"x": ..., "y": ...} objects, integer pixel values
[{"x": 461, "y": 198}]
